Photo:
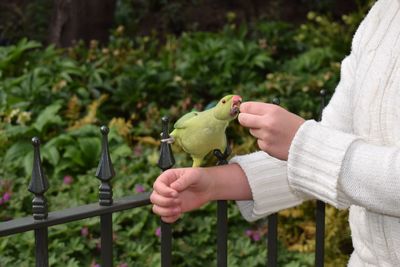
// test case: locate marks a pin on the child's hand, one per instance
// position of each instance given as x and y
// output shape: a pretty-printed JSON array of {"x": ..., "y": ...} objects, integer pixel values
[
  {"x": 179, "y": 190},
  {"x": 272, "y": 125}
]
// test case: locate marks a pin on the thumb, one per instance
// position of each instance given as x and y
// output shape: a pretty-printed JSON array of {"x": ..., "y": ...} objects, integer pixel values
[{"x": 183, "y": 182}]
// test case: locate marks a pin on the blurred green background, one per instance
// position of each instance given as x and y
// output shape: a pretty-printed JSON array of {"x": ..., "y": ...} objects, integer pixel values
[{"x": 67, "y": 67}]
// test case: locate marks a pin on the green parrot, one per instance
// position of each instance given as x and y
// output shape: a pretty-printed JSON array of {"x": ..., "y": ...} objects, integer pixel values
[{"x": 199, "y": 133}]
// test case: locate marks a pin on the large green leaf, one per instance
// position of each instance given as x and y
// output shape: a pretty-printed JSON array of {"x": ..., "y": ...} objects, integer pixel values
[
  {"x": 90, "y": 147},
  {"x": 17, "y": 152},
  {"x": 51, "y": 154},
  {"x": 48, "y": 116}
]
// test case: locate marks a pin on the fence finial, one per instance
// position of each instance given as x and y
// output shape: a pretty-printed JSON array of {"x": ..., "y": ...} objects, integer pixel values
[
  {"x": 276, "y": 101},
  {"x": 166, "y": 159},
  {"x": 39, "y": 184},
  {"x": 322, "y": 93},
  {"x": 105, "y": 171}
]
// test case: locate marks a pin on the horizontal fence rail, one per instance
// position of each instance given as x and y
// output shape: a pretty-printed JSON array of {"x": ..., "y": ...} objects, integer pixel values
[
  {"x": 73, "y": 214},
  {"x": 42, "y": 219}
]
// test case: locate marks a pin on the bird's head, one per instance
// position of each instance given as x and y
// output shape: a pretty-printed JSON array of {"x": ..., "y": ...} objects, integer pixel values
[{"x": 228, "y": 108}]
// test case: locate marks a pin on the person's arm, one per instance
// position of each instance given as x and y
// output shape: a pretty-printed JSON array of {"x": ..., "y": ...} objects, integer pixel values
[
  {"x": 273, "y": 127},
  {"x": 180, "y": 190}
]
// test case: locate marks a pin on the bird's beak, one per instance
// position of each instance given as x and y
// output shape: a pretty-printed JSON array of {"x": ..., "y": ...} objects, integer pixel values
[{"x": 236, "y": 101}]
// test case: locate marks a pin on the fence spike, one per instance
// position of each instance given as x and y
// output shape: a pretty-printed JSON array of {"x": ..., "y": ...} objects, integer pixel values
[
  {"x": 166, "y": 159},
  {"x": 38, "y": 184},
  {"x": 322, "y": 94},
  {"x": 276, "y": 101},
  {"x": 105, "y": 171}
]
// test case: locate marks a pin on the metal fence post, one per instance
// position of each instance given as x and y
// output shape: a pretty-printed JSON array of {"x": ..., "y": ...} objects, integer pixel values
[
  {"x": 222, "y": 217},
  {"x": 320, "y": 212},
  {"x": 105, "y": 171},
  {"x": 272, "y": 245},
  {"x": 38, "y": 186},
  {"x": 165, "y": 162}
]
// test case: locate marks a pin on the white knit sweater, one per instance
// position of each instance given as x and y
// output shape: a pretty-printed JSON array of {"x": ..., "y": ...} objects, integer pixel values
[{"x": 351, "y": 159}]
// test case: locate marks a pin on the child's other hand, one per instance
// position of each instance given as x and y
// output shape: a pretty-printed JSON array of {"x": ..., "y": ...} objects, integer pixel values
[
  {"x": 273, "y": 126},
  {"x": 179, "y": 190}
]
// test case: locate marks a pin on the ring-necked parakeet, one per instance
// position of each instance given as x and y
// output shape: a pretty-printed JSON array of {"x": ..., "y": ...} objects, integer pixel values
[{"x": 199, "y": 133}]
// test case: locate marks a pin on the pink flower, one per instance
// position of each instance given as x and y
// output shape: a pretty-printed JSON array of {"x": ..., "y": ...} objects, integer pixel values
[
  {"x": 68, "y": 179},
  {"x": 1, "y": 201},
  {"x": 253, "y": 234},
  {"x": 139, "y": 188},
  {"x": 84, "y": 231},
  {"x": 6, "y": 197},
  {"x": 256, "y": 236},
  {"x": 123, "y": 264},
  {"x": 158, "y": 231},
  {"x": 248, "y": 233}
]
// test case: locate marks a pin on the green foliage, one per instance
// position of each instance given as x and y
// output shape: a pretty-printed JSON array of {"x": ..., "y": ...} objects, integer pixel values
[{"x": 63, "y": 95}]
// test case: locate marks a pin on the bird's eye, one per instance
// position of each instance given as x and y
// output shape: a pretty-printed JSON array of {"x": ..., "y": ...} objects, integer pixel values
[{"x": 223, "y": 101}]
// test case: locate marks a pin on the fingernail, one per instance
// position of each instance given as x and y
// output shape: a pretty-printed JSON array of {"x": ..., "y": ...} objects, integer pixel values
[{"x": 174, "y": 194}]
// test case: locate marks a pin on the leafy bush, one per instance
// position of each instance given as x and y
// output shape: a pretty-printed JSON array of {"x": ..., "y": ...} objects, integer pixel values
[{"x": 62, "y": 96}]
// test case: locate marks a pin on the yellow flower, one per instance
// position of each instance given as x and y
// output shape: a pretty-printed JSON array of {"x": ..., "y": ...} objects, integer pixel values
[
  {"x": 23, "y": 117},
  {"x": 122, "y": 126}
]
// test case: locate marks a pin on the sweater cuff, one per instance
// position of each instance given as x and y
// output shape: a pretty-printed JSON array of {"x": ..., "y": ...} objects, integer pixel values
[
  {"x": 268, "y": 182},
  {"x": 315, "y": 160}
]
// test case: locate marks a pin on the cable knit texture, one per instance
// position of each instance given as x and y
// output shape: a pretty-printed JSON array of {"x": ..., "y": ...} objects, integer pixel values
[
  {"x": 352, "y": 157},
  {"x": 315, "y": 159},
  {"x": 268, "y": 183}
]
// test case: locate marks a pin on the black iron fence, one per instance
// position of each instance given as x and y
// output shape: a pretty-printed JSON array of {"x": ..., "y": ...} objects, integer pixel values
[{"x": 42, "y": 219}]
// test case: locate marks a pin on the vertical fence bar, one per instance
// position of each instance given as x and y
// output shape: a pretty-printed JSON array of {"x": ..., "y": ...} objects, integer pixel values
[
  {"x": 273, "y": 240},
  {"x": 165, "y": 162},
  {"x": 105, "y": 171},
  {"x": 320, "y": 234},
  {"x": 38, "y": 186},
  {"x": 222, "y": 217},
  {"x": 222, "y": 233},
  {"x": 320, "y": 212},
  {"x": 272, "y": 245}
]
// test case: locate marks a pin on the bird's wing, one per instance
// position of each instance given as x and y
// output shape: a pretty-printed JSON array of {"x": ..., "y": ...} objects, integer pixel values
[{"x": 184, "y": 121}]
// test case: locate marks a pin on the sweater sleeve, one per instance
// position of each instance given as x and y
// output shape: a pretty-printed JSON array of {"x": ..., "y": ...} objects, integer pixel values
[{"x": 268, "y": 182}]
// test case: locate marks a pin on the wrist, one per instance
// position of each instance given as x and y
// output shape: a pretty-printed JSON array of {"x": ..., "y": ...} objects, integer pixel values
[
  {"x": 209, "y": 177},
  {"x": 227, "y": 182}
]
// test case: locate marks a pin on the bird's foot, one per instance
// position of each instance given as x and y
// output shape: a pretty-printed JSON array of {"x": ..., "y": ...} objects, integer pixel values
[{"x": 169, "y": 140}]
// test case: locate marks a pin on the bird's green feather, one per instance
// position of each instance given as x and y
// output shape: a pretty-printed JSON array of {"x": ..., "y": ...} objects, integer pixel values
[{"x": 184, "y": 120}]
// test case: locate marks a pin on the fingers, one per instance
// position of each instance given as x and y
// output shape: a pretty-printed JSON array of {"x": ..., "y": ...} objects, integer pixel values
[
  {"x": 259, "y": 134},
  {"x": 250, "y": 121},
  {"x": 167, "y": 211},
  {"x": 162, "y": 184},
  {"x": 162, "y": 201},
  {"x": 170, "y": 219},
  {"x": 186, "y": 179},
  {"x": 255, "y": 108},
  {"x": 168, "y": 208}
]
